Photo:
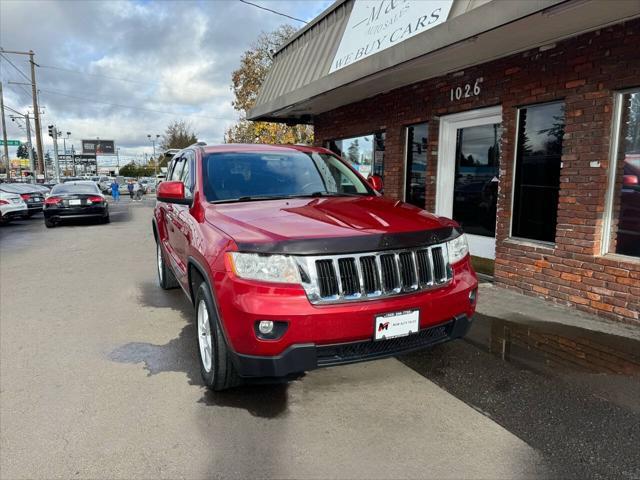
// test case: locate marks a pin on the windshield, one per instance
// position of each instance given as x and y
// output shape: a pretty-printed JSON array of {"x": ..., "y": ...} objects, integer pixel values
[
  {"x": 232, "y": 176},
  {"x": 88, "y": 187}
]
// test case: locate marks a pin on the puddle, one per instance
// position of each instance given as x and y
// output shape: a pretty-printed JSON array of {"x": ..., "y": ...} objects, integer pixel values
[
  {"x": 561, "y": 347},
  {"x": 181, "y": 355}
]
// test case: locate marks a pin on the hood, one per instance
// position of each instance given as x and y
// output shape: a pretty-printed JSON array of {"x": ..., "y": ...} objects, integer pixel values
[{"x": 321, "y": 225}]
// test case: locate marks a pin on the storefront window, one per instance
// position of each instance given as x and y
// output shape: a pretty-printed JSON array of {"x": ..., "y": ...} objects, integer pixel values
[
  {"x": 365, "y": 153},
  {"x": 625, "y": 208},
  {"x": 537, "y": 180},
  {"x": 416, "y": 172},
  {"x": 475, "y": 192}
]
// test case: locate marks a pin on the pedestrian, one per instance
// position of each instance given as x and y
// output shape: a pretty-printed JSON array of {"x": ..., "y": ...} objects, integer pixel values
[
  {"x": 115, "y": 191},
  {"x": 130, "y": 188},
  {"x": 137, "y": 193}
]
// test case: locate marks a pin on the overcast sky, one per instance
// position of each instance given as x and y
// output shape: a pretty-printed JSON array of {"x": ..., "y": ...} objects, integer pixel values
[{"x": 174, "y": 57}]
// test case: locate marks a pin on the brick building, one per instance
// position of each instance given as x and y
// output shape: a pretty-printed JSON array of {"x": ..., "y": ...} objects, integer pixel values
[{"x": 519, "y": 119}]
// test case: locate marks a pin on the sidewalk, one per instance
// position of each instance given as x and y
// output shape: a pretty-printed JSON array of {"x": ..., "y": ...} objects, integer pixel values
[{"x": 506, "y": 304}]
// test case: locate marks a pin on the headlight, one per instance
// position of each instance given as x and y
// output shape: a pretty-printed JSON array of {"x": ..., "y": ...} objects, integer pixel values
[
  {"x": 267, "y": 268},
  {"x": 458, "y": 248}
]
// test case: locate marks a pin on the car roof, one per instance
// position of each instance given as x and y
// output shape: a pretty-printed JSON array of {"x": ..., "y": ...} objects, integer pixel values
[
  {"x": 256, "y": 147},
  {"x": 18, "y": 188},
  {"x": 78, "y": 183}
]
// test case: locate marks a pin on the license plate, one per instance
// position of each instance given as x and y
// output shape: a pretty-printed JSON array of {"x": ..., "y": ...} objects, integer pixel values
[
  {"x": 75, "y": 202},
  {"x": 397, "y": 324}
]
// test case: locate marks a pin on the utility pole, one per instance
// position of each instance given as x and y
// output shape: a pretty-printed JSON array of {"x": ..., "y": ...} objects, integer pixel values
[
  {"x": 4, "y": 131},
  {"x": 32, "y": 163},
  {"x": 34, "y": 94},
  {"x": 36, "y": 114}
]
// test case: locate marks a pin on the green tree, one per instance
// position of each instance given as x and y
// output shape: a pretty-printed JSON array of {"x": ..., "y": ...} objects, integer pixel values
[
  {"x": 179, "y": 134},
  {"x": 245, "y": 84},
  {"x": 353, "y": 152},
  {"x": 23, "y": 151},
  {"x": 129, "y": 170}
]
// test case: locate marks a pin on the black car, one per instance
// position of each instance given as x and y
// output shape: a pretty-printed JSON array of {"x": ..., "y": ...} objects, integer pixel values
[
  {"x": 80, "y": 199},
  {"x": 33, "y": 195}
]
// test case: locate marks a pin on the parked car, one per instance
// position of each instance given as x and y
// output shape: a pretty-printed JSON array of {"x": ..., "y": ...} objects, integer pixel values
[
  {"x": 11, "y": 206},
  {"x": 294, "y": 261},
  {"x": 32, "y": 195},
  {"x": 79, "y": 199}
]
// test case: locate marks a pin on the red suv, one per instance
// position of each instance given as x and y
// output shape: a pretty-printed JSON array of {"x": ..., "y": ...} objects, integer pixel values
[{"x": 293, "y": 261}]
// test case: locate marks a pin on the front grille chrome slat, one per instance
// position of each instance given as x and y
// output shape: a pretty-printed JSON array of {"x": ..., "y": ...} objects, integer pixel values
[{"x": 372, "y": 275}]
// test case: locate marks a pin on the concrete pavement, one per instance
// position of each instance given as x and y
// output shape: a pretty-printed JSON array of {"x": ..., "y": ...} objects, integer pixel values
[{"x": 99, "y": 379}]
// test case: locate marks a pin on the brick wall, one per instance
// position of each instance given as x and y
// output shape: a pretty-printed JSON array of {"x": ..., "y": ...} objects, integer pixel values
[{"x": 583, "y": 72}]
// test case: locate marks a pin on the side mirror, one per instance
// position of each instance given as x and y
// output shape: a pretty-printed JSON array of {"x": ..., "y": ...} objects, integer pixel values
[
  {"x": 376, "y": 182},
  {"x": 172, "y": 192},
  {"x": 630, "y": 180}
]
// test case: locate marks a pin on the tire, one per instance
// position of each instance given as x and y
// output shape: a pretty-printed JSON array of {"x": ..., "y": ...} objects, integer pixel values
[
  {"x": 166, "y": 278},
  {"x": 216, "y": 367},
  {"x": 49, "y": 223},
  {"x": 106, "y": 219}
]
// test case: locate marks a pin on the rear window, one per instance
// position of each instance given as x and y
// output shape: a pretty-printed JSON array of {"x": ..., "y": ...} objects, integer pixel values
[{"x": 75, "y": 188}]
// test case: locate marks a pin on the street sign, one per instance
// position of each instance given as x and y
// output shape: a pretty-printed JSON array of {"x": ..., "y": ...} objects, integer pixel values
[
  {"x": 98, "y": 147},
  {"x": 11, "y": 143}
]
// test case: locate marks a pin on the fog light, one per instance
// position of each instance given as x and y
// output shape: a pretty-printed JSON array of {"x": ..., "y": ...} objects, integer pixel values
[
  {"x": 265, "y": 327},
  {"x": 472, "y": 296}
]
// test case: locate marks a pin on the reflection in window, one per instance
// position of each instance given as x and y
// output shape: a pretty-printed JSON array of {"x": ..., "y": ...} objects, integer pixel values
[
  {"x": 625, "y": 231},
  {"x": 365, "y": 154},
  {"x": 475, "y": 192},
  {"x": 537, "y": 180},
  {"x": 416, "y": 173}
]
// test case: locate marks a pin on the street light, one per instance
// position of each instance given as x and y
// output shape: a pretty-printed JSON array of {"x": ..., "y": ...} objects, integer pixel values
[
  {"x": 153, "y": 142},
  {"x": 64, "y": 147}
]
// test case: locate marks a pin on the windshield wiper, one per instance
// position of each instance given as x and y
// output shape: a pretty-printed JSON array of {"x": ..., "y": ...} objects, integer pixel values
[{"x": 251, "y": 199}]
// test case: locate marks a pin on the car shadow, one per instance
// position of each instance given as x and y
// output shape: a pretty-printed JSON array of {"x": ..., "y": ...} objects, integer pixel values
[{"x": 181, "y": 355}]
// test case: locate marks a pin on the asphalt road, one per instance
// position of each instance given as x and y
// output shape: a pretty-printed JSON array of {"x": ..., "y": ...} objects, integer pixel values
[{"x": 99, "y": 379}]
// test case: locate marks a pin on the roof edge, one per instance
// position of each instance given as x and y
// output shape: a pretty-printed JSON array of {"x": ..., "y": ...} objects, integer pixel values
[{"x": 311, "y": 24}]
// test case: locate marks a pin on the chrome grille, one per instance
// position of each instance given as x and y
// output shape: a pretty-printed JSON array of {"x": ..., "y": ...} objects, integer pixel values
[{"x": 372, "y": 275}]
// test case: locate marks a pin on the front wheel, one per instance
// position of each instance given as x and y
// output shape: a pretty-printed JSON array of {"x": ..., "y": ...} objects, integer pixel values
[
  {"x": 166, "y": 279},
  {"x": 216, "y": 367}
]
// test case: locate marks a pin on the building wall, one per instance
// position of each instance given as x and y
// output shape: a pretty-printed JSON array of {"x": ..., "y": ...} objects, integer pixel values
[{"x": 584, "y": 72}]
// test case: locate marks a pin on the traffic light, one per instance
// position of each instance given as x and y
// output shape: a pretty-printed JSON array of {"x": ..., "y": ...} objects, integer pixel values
[{"x": 51, "y": 127}]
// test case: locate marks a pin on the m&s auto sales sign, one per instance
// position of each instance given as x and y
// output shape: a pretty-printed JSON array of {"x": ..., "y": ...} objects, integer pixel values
[{"x": 375, "y": 25}]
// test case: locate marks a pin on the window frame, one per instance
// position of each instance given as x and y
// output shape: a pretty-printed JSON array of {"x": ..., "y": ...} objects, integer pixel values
[
  {"x": 614, "y": 150},
  {"x": 516, "y": 147}
]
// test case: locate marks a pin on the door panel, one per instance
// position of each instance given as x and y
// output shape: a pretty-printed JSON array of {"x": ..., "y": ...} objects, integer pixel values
[{"x": 468, "y": 175}]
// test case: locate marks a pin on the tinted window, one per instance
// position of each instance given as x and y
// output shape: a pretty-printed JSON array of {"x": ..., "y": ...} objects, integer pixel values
[
  {"x": 229, "y": 176},
  {"x": 475, "y": 191},
  {"x": 416, "y": 175},
  {"x": 537, "y": 181},
  {"x": 75, "y": 188},
  {"x": 625, "y": 224}
]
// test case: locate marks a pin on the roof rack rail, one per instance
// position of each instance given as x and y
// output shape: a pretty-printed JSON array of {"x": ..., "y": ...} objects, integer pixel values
[{"x": 198, "y": 144}]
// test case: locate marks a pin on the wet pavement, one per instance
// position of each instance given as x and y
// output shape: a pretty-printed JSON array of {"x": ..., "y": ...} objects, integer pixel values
[
  {"x": 572, "y": 394},
  {"x": 99, "y": 379}
]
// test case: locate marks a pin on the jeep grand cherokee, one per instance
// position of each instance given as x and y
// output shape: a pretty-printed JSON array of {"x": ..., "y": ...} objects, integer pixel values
[{"x": 293, "y": 261}]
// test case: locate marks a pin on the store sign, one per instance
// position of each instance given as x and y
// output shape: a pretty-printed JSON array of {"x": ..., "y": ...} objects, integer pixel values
[
  {"x": 98, "y": 147},
  {"x": 375, "y": 25}
]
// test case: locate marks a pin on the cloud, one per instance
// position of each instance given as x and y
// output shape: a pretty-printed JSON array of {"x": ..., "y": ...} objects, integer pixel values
[{"x": 143, "y": 63}]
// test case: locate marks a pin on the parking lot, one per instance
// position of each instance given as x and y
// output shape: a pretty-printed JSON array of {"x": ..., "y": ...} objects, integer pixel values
[{"x": 99, "y": 378}]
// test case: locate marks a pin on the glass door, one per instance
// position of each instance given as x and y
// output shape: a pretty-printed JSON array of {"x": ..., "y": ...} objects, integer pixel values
[{"x": 468, "y": 174}]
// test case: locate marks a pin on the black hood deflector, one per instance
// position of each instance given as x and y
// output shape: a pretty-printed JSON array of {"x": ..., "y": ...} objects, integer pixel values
[{"x": 357, "y": 244}]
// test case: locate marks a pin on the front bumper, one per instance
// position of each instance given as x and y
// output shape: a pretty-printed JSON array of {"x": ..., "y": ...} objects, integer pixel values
[
  {"x": 301, "y": 358},
  {"x": 241, "y": 304}
]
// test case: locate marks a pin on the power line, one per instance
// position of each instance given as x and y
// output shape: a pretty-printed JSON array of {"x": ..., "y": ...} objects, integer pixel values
[
  {"x": 79, "y": 72},
  {"x": 13, "y": 65},
  {"x": 92, "y": 100},
  {"x": 273, "y": 11},
  {"x": 13, "y": 110}
]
